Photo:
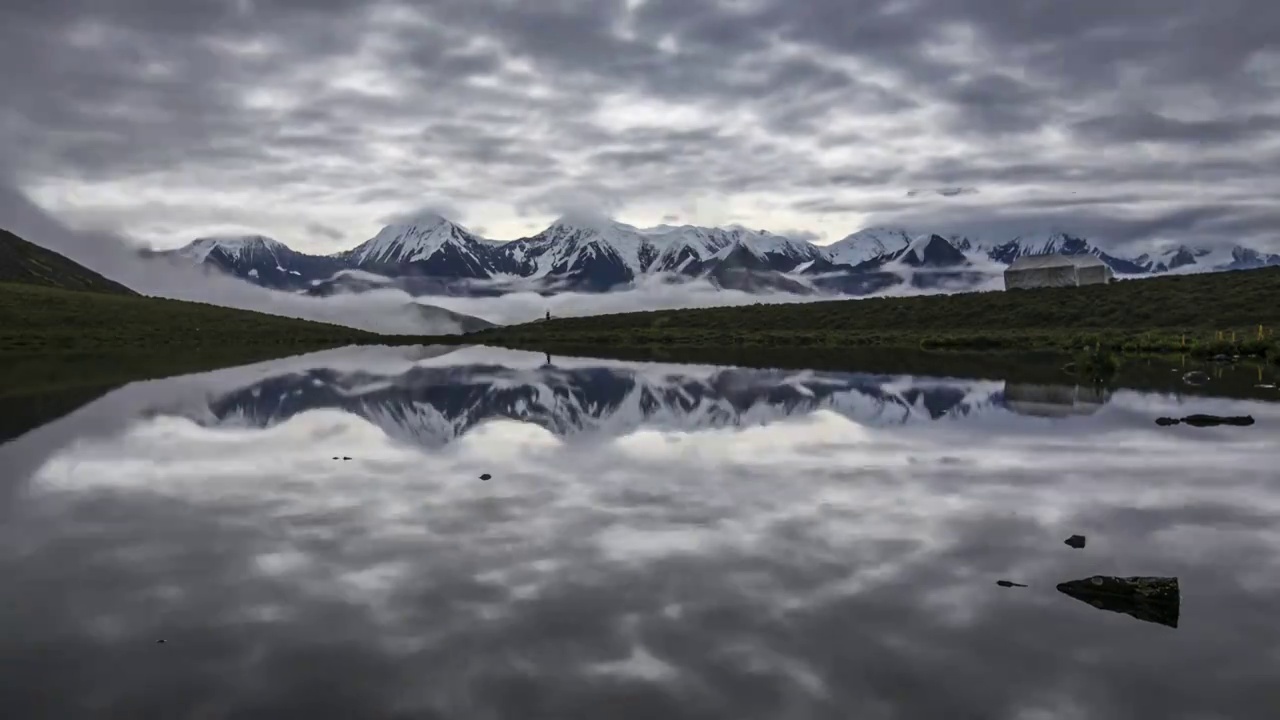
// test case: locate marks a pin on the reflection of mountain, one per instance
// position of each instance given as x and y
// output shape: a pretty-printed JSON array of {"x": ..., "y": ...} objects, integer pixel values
[
  {"x": 432, "y": 405},
  {"x": 1054, "y": 400}
]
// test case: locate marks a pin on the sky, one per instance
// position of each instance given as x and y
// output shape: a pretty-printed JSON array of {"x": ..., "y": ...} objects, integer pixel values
[{"x": 1133, "y": 122}]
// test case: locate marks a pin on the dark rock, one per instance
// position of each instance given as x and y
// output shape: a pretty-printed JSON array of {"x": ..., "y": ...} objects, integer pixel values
[
  {"x": 486, "y": 476},
  {"x": 1207, "y": 420},
  {"x": 345, "y": 458},
  {"x": 1075, "y": 541},
  {"x": 1214, "y": 420},
  {"x": 1007, "y": 583},
  {"x": 160, "y": 642},
  {"x": 1150, "y": 599},
  {"x": 1221, "y": 358}
]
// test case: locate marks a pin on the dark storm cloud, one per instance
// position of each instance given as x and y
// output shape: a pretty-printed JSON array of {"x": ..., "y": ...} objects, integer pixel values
[
  {"x": 325, "y": 231},
  {"x": 1202, "y": 223},
  {"x": 1153, "y": 127},
  {"x": 437, "y": 206},
  {"x": 336, "y": 104}
]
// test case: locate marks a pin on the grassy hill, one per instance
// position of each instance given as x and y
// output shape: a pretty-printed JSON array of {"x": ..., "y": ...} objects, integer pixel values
[
  {"x": 1154, "y": 315},
  {"x": 41, "y": 320},
  {"x": 28, "y": 263}
]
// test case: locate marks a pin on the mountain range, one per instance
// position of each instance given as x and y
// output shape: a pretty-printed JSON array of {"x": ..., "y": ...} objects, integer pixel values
[{"x": 431, "y": 255}]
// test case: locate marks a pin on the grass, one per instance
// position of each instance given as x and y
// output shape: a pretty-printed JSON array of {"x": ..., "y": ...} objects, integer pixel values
[
  {"x": 1200, "y": 315},
  {"x": 38, "y": 320}
]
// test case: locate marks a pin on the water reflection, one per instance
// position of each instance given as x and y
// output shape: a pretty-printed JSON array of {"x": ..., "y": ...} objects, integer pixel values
[
  {"x": 654, "y": 541},
  {"x": 1055, "y": 400}
]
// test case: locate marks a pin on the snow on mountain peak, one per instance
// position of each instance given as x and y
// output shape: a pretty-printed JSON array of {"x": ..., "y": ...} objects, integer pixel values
[
  {"x": 867, "y": 244},
  {"x": 236, "y": 246},
  {"x": 412, "y": 239}
]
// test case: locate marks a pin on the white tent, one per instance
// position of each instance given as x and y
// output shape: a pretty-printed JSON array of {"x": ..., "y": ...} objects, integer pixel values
[{"x": 1033, "y": 271}]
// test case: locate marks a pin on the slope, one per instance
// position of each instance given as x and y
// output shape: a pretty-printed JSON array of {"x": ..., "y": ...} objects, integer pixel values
[
  {"x": 25, "y": 262},
  {"x": 41, "y": 320},
  {"x": 1023, "y": 318}
]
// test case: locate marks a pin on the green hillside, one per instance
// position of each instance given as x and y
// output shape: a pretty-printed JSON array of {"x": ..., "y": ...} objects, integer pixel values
[
  {"x": 48, "y": 320},
  {"x": 1152, "y": 314},
  {"x": 25, "y": 262}
]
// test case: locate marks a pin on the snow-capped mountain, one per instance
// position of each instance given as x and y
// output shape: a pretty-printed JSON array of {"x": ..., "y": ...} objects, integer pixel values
[
  {"x": 424, "y": 245},
  {"x": 685, "y": 246},
  {"x": 430, "y": 255},
  {"x": 1061, "y": 244},
  {"x": 1182, "y": 258},
  {"x": 779, "y": 252},
  {"x": 867, "y": 244},
  {"x": 930, "y": 251},
  {"x": 261, "y": 260},
  {"x": 588, "y": 252},
  {"x": 594, "y": 253},
  {"x": 746, "y": 268},
  {"x": 433, "y": 405}
]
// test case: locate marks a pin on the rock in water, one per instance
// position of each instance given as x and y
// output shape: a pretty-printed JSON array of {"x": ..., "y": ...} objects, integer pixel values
[
  {"x": 1007, "y": 583},
  {"x": 1200, "y": 420},
  {"x": 1150, "y": 599},
  {"x": 1075, "y": 541},
  {"x": 1215, "y": 420},
  {"x": 485, "y": 476}
]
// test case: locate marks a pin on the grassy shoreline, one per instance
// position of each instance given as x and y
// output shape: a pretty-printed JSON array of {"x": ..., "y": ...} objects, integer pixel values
[{"x": 1228, "y": 313}]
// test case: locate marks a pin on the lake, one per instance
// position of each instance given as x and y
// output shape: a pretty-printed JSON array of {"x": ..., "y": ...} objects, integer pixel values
[{"x": 484, "y": 533}]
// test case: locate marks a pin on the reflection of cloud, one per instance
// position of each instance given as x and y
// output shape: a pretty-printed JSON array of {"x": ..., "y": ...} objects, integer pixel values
[
  {"x": 802, "y": 556},
  {"x": 813, "y": 564},
  {"x": 1054, "y": 400}
]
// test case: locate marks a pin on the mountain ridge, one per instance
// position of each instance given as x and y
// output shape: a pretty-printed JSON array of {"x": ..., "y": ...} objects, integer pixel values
[{"x": 597, "y": 254}]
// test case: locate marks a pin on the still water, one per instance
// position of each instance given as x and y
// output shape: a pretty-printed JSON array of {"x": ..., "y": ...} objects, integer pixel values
[{"x": 653, "y": 541}]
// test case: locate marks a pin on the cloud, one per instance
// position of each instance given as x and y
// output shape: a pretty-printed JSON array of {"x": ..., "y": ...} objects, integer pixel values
[
  {"x": 437, "y": 207},
  {"x": 813, "y": 114},
  {"x": 324, "y": 231},
  {"x": 800, "y": 234},
  {"x": 944, "y": 191}
]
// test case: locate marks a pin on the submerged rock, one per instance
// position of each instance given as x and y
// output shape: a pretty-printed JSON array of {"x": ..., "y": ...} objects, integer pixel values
[
  {"x": 1009, "y": 583},
  {"x": 1150, "y": 599},
  {"x": 1075, "y": 541},
  {"x": 1207, "y": 420}
]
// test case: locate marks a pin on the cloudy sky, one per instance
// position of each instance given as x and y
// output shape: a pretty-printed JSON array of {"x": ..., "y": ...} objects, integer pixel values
[{"x": 312, "y": 120}]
